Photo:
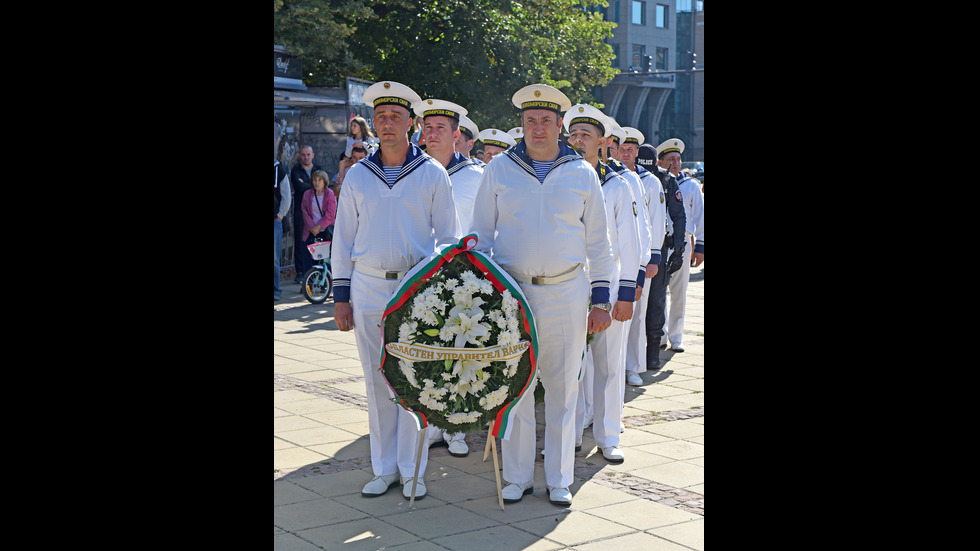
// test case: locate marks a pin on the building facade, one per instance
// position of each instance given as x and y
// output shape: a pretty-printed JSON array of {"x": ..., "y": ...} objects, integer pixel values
[{"x": 656, "y": 44}]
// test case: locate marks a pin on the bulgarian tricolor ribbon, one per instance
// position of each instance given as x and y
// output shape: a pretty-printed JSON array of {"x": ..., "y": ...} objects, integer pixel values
[{"x": 501, "y": 281}]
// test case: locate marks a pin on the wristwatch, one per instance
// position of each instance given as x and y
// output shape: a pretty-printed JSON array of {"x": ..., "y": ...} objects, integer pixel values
[{"x": 607, "y": 306}]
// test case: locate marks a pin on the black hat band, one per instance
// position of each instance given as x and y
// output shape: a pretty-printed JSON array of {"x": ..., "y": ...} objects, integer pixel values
[
  {"x": 393, "y": 100},
  {"x": 588, "y": 120},
  {"x": 503, "y": 145},
  {"x": 442, "y": 112},
  {"x": 541, "y": 105}
]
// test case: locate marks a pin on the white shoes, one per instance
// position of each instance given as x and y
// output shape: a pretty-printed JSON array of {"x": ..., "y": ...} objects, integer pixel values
[
  {"x": 457, "y": 444},
  {"x": 513, "y": 492},
  {"x": 379, "y": 485},
  {"x": 677, "y": 347},
  {"x": 407, "y": 488},
  {"x": 613, "y": 454},
  {"x": 633, "y": 379},
  {"x": 559, "y": 496}
]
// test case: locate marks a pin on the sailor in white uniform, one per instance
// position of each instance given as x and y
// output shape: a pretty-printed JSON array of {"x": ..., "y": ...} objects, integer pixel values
[
  {"x": 636, "y": 344},
  {"x": 540, "y": 214},
  {"x": 495, "y": 142},
  {"x": 396, "y": 209},
  {"x": 468, "y": 134},
  {"x": 632, "y": 135},
  {"x": 587, "y": 130},
  {"x": 441, "y": 126},
  {"x": 669, "y": 156}
]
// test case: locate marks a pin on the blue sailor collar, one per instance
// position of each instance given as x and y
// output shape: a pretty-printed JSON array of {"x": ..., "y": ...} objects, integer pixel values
[
  {"x": 616, "y": 165},
  {"x": 518, "y": 154},
  {"x": 413, "y": 159},
  {"x": 604, "y": 171},
  {"x": 458, "y": 162},
  {"x": 682, "y": 177}
]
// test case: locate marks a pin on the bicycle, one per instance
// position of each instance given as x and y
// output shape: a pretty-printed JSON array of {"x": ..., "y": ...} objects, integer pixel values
[{"x": 317, "y": 282}]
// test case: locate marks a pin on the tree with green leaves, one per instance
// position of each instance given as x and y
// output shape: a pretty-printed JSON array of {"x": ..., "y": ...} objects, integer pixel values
[
  {"x": 476, "y": 53},
  {"x": 321, "y": 32}
]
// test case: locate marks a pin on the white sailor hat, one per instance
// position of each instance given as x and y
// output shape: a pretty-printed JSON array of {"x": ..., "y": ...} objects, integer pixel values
[
  {"x": 587, "y": 114},
  {"x": 541, "y": 96},
  {"x": 388, "y": 92},
  {"x": 517, "y": 133},
  {"x": 499, "y": 138},
  {"x": 617, "y": 132},
  {"x": 632, "y": 136},
  {"x": 468, "y": 127},
  {"x": 671, "y": 145},
  {"x": 430, "y": 107}
]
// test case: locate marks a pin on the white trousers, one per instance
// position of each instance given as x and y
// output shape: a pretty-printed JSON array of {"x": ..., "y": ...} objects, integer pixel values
[
  {"x": 636, "y": 341},
  {"x": 608, "y": 351},
  {"x": 584, "y": 408},
  {"x": 561, "y": 318},
  {"x": 677, "y": 303},
  {"x": 394, "y": 436}
]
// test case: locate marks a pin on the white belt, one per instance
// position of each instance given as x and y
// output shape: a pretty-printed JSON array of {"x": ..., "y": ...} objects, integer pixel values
[
  {"x": 384, "y": 274},
  {"x": 549, "y": 280}
]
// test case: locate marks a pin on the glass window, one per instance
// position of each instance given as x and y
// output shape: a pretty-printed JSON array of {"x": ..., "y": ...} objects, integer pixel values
[
  {"x": 639, "y": 50},
  {"x": 639, "y": 13},
  {"x": 661, "y": 60},
  {"x": 661, "y": 16},
  {"x": 612, "y": 12}
]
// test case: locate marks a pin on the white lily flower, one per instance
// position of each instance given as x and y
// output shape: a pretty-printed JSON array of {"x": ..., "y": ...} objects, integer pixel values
[
  {"x": 470, "y": 328},
  {"x": 466, "y": 304}
]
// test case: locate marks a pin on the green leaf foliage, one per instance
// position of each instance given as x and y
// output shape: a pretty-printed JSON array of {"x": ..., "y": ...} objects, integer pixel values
[{"x": 476, "y": 53}]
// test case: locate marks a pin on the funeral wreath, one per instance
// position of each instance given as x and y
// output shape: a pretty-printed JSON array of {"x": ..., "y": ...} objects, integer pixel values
[{"x": 459, "y": 341}]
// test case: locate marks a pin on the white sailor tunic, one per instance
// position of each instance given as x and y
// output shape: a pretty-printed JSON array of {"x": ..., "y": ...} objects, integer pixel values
[
  {"x": 465, "y": 175},
  {"x": 544, "y": 229},
  {"x": 622, "y": 218},
  {"x": 391, "y": 228},
  {"x": 694, "y": 209}
]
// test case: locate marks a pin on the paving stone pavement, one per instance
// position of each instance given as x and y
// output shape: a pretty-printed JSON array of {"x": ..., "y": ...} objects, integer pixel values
[{"x": 654, "y": 500}]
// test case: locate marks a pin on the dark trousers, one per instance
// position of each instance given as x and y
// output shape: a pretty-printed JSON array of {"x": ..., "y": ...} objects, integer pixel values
[
  {"x": 657, "y": 301},
  {"x": 301, "y": 255}
]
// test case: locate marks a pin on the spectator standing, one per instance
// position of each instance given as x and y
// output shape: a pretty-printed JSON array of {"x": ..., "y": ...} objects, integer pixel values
[
  {"x": 300, "y": 180},
  {"x": 358, "y": 131},
  {"x": 281, "y": 199},
  {"x": 319, "y": 208}
]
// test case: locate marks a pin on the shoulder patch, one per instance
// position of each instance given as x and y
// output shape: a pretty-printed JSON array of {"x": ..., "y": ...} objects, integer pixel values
[
  {"x": 661, "y": 197},
  {"x": 634, "y": 209}
]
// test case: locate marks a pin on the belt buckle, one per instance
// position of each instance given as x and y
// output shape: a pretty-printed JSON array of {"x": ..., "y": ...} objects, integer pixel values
[
  {"x": 391, "y": 275},
  {"x": 537, "y": 280}
]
